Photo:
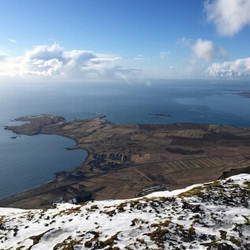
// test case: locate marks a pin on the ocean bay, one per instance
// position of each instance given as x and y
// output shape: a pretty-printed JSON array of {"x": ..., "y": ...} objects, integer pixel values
[{"x": 30, "y": 161}]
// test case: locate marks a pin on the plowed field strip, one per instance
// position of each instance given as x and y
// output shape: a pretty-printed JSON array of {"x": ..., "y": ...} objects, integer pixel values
[
  {"x": 184, "y": 165},
  {"x": 171, "y": 165},
  {"x": 203, "y": 162},
  {"x": 142, "y": 174},
  {"x": 216, "y": 161}
]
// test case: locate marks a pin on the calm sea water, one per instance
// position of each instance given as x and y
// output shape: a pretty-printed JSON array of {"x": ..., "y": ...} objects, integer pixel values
[{"x": 29, "y": 161}]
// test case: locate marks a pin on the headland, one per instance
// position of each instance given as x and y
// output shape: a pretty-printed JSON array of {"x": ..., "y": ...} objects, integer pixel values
[{"x": 130, "y": 160}]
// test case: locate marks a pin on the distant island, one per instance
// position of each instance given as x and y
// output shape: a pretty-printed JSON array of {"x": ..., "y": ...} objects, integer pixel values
[
  {"x": 130, "y": 160},
  {"x": 159, "y": 114},
  {"x": 245, "y": 93}
]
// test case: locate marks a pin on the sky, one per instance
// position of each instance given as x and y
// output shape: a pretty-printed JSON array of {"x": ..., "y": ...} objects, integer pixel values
[{"x": 120, "y": 40}]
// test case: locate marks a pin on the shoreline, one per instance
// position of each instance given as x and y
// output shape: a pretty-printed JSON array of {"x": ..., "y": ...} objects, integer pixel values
[
  {"x": 57, "y": 172},
  {"x": 160, "y": 114},
  {"x": 124, "y": 160}
]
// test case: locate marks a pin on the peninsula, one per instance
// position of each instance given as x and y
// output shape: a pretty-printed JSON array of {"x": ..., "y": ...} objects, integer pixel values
[{"x": 130, "y": 160}]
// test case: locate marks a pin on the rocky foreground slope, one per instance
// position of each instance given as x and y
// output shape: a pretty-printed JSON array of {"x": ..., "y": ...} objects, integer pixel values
[{"x": 210, "y": 216}]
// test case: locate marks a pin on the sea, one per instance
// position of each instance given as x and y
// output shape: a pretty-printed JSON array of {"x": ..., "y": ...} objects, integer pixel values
[{"x": 30, "y": 161}]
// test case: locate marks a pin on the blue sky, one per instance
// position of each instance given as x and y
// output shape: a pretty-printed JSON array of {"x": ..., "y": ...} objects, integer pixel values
[{"x": 124, "y": 39}]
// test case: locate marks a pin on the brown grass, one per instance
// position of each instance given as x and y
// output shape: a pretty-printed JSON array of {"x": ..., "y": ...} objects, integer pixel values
[
  {"x": 148, "y": 162},
  {"x": 36, "y": 238}
]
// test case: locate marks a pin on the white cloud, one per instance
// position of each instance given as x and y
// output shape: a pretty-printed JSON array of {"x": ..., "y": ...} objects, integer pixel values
[
  {"x": 229, "y": 16},
  {"x": 12, "y": 40},
  {"x": 164, "y": 54},
  {"x": 54, "y": 62},
  {"x": 237, "y": 68},
  {"x": 139, "y": 57},
  {"x": 184, "y": 41},
  {"x": 204, "y": 49},
  {"x": 203, "y": 53}
]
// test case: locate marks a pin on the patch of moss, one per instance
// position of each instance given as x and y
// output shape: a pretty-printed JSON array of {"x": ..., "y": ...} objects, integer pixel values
[
  {"x": 84, "y": 203},
  {"x": 191, "y": 231},
  {"x": 67, "y": 245},
  {"x": 68, "y": 211},
  {"x": 218, "y": 245},
  {"x": 142, "y": 241},
  {"x": 136, "y": 204},
  {"x": 195, "y": 208},
  {"x": 237, "y": 227},
  {"x": 164, "y": 224},
  {"x": 213, "y": 184},
  {"x": 235, "y": 241},
  {"x": 94, "y": 242},
  {"x": 158, "y": 236},
  {"x": 247, "y": 219},
  {"x": 134, "y": 222},
  {"x": 197, "y": 191},
  {"x": 110, "y": 241},
  {"x": 109, "y": 213},
  {"x": 93, "y": 207},
  {"x": 223, "y": 234},
  {"x": 200, "y": 190},
  {"x": 213, "y": 237},
  {"x": 2, "y": 222},
  {"x": 30, "y": 216},
  {"x": 121, "y": 206},
  {"x": 36, "y": 238},
  {"x": 246, "y": 184}
]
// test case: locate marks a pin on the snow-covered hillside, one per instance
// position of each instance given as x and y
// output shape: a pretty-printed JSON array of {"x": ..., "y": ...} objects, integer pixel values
[{"x": 209, "y": 216}]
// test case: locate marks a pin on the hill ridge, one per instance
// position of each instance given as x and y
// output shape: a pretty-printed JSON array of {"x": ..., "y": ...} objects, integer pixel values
[{"x": 213, "y": 215}]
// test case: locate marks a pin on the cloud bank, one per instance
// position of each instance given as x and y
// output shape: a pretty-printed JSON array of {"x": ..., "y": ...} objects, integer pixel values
[
  {"x": 53, "y": 63},
  {"x": 204, "y": 49},
  {"x": 229, "y": 16},
  {"x": 237, "y": 69},
  {"x": 56, "y": 63}
]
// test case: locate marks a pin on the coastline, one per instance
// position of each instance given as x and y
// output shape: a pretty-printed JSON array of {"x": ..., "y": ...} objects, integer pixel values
[
  {"x": 125, "y": 160},
  {"x": 47, "y": 157},
  {"x": 160, "y": 114}
]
